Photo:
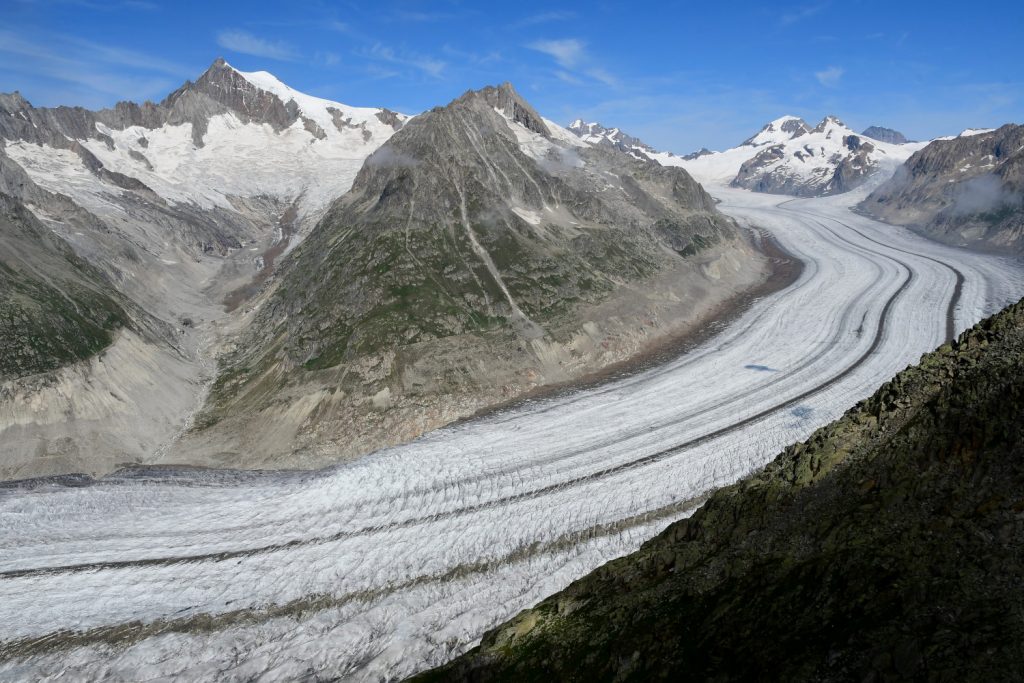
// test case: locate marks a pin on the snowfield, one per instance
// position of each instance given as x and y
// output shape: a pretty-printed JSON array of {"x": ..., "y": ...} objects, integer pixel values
[{"x": 399, "y": 561}]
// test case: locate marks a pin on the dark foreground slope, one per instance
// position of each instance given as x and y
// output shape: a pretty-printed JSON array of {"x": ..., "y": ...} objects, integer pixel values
[{"x": 887, "y": 546}]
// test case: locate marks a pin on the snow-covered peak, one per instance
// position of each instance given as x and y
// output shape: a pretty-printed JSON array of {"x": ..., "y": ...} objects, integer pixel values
[
  {"x": 593, "y": 130},
  {"x": 832, "y": 124},
  {"x": 780, "y": 130},
  {"x": 598, "y": 135},
  {"x": 969, "y": 132},
  {"x": 316, "y": 108}
]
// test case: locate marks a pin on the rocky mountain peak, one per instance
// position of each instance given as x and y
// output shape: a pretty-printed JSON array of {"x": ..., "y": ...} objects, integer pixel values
[
  {"x": 830, "y": 122},
  {"x": 893, "y": 137},
  {"x": 597, "y": 134},
  {"x": 509, "y": 103},
  {"x": 781, "y": 129},
  {"x": 13, "y": 102}
]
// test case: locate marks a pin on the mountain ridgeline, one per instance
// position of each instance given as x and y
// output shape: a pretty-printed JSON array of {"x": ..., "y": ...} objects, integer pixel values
[
  {"x": 967, "y": 191},
  {"x": 787, "y": 156},
  {"x": 888, "y": 546},
  {"x": 481, "y": 252}
]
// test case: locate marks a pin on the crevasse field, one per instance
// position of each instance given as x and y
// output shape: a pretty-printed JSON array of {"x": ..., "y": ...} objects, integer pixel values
[{"x": 378, "y": 569}]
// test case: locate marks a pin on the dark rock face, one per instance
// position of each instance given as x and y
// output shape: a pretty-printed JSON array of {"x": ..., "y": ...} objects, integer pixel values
[
  {"x": 390, "y": 118},
  {"x": 888, "y": 546},
  {"x": 504, "y": 98},
  {"x": 702, "y": 152},
  {"x": 893, "y": 137},
  {"x": 967, "y": 191}
]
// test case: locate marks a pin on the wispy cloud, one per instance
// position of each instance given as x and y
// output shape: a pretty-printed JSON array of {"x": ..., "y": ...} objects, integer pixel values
[
  {"x": 571, "y": 55},
  {"x": 246, "y": 43},
  {"x": 567, "y": 52},
  {"x": 599, "y": 74},
  {"x": 327, "y": 58},
  {"x": 421, "y": 17},
  {"x": 829, "y": 77},
  {"x": 543, "y": 18},
  {"x": 802, "y": 13},
  {"x": 566, "y": 77},
  {"x": 69, "y": 69},
  {"x": 428, "y": 65}
]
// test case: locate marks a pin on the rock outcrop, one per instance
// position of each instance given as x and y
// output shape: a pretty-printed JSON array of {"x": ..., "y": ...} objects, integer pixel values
[
  {"x": 967, "y": 190},
  {"x": 888, "y": 546}
]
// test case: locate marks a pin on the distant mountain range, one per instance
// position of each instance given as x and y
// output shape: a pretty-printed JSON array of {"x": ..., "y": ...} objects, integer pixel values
[{"x": 787, "y": 156}]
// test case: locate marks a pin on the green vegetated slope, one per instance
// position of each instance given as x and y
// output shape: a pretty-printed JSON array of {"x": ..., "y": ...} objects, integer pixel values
[
  {"x": 55, "y": 309},
  {"x": 888, "y": 546}
]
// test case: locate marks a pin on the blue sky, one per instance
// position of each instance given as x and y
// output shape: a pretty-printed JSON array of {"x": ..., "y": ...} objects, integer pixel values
[{"x": 680, "y": 75}]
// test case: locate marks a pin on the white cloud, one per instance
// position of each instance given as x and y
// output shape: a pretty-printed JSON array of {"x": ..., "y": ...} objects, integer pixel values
[
  {"x": 567, "y": 78},
  {"x": 246, "y": 43},
  {"x": 67, "y": 69},
  {"x": 599, "y": 74},
  {"x": 830, "y": 76},
  {"x": 428, "y": 65},
  {"x": 571, "y": 54},
  {"x": 568, "y": 52}
]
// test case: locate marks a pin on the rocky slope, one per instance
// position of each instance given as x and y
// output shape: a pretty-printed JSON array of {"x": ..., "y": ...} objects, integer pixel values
[
  {"x": 888, "y": 546},
  {"x": 482, "y": 251},
  {"x": 967, "y": 190},
  {"x": 159, "y": 215},
  {"x": 55, "y": 309}
]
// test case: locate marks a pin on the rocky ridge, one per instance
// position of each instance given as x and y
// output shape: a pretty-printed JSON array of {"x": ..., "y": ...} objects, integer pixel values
[
  {"x": 596, "y": 134},
  {"x": 882, "y": 134},
  {"x": 483, "y": 251},
  {"x": 787, "y": 156},
  {"x": 888, "y": 546},
  {"x": 967, "y": 190}
]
